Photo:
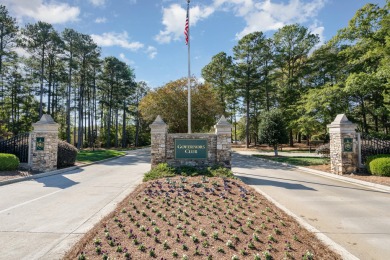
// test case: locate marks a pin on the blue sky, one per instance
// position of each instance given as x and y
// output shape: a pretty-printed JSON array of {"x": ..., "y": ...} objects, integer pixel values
[{"x": 148, "y": 34}]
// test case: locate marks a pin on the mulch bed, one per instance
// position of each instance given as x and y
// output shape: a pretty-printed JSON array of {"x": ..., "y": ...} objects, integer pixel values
[{"x": 198, "y": 218}]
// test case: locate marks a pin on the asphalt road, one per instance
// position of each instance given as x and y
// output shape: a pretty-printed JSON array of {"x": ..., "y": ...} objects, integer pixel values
[
  {"x": 42, "y": 218},
  {"x": 355, "y": 217}
]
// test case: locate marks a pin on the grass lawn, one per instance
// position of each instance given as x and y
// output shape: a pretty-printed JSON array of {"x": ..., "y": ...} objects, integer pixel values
[
  {"x": 87, "y": 156},
  {"x": 296, "y": 160}
]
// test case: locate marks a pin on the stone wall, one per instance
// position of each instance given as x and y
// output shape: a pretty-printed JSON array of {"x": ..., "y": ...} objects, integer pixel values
[
  {"x": 218, "y": 145},
  {"x": 343, "y": 160},
  {"x": 44, "y": 159}
]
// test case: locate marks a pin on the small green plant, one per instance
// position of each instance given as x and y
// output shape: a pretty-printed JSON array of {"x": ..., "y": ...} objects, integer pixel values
[
  {"x": 194, "y": 239},
  {"x": 184, "y": 257},
  {"x": 202, "y": 232},
  {"x": 156, "y": 230},
  {"x": 229, "y": 244},
  {"x": 234, "y": 257},
  {"x": 141, "y": 247},
  {"x": 251, "y": 245},
  {"x": 256, "y": 257},
  {"x": 175, "y": 254},
  {"x": 308, "y": 256},
  {"x": 215, "y": 235},
  {"x": 271, "y": 238},
  {"x": 152, "y": 253},
  {"x": 267, "y": 255},
  {"x": 119, "y": 249},
  {"x": 165, "y": 245},
  {"x": 220, "y": 250},
  {"x": 205, "y": 244},
  {"x": 184, "y": 247},
  {"x": 255, "y": 237},
  {"x": 82, "y": 256}
]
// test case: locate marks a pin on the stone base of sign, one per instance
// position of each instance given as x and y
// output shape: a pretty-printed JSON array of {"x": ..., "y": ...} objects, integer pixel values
[
  {"x": 43, "y": 156},
  {"x": 218, "y": 146},
  {"x": 343, "y": 146}
]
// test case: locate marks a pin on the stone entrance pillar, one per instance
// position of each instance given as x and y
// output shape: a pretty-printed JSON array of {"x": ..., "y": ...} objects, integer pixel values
[
  {"x": 223, "y": 130},
  {"x": 159, "y": 131},
  {"x": 343, "y": 146},
  {"x": 44, "y": 145}
]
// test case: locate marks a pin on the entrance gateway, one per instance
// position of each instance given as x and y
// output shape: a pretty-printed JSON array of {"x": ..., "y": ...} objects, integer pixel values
[{"x": 198, "y": 150}]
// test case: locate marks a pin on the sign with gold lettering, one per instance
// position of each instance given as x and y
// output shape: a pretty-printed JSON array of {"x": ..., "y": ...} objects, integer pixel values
[
  {"x": 190, "y": 148},
  {"x": 40, "y": 143}
]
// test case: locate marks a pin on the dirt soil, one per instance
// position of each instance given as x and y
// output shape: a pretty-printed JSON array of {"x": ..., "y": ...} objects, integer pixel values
[
  {"x": 198, "y": 218},
  {"x": 8, "y": 175}
]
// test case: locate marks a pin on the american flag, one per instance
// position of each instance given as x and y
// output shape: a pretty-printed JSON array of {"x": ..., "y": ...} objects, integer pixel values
[{"x": 186, "y": 28}]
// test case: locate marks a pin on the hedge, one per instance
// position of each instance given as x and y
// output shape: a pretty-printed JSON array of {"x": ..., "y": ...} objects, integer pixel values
[
  {"x": 379, "y": 165},
  {"x": 8, "y": 162},
  {"x": 67, "y": 154}
]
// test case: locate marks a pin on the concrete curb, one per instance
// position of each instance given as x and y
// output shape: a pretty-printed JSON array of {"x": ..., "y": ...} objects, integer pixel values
[
  {"x": 366, "y": 184},
  {"x": 55, "y": 172},
  {"x": 321, "y": 236}
]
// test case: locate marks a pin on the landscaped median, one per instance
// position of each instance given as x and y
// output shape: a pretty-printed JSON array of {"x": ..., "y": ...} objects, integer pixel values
[{"x": 190, "y": 214}]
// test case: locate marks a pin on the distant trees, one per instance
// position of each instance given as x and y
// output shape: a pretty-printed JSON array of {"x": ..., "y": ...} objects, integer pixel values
[
  {"x": 88, "y": 96},
  {"x": 170, "y": 102},
  {"x": 311, "y": 84}
]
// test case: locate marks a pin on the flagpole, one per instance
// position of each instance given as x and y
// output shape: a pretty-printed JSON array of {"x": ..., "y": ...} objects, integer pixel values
[{"x": 189, "y": 70}]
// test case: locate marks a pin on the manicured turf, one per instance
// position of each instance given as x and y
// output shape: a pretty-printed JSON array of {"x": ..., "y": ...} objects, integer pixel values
[
  {"x": 296, "y": 160},
  {"x": 97, "y": 155}
]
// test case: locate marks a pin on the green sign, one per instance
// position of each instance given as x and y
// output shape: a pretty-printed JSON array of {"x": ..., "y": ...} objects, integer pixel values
[
  {"x": 190, "y": 148},
  {"x": 40, "y": 143},
  {"x": 348, "y": 145}
]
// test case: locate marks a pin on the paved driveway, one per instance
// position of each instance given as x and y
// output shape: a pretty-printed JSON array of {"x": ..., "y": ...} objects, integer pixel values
[
  {"x": 40, "y": 219},
  {"x": 356, "y": 217}
]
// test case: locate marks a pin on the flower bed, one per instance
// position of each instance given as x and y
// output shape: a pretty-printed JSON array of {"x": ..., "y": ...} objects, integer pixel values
[{"x": 198, "y": 218}]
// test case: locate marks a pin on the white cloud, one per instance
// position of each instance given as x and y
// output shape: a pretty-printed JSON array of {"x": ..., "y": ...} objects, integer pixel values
[
  {"x": 315, "y": 28},
  {"x": 101, "y": 20},
  {"x": 97, "y": 2},
  {"x": 151, "y": 51},
  {"x": 21, "y": 52},
  {"x": 116, "y": 39},
  {"x": 268, "y": 16},
  {"x": 174, "y": 20},
  {"x": 50, "y": 12},
  {"x": 122, "y": 56}
]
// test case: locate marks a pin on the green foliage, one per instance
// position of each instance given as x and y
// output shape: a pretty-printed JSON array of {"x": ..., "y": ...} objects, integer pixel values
[
  {"x": 66, "y": 155},
  {"x": 379, "y": 165},
  {"x": 205, "y": 106},
  {"x": 272, "y": 128},
  {"x": 160, "y": 171},
  {"x": 163, "y": 170},
  {"x": 8, "y": 162}
]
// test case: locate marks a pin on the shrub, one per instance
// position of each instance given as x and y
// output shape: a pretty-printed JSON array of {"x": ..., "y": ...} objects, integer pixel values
[
  {"x": 8, "y": 162},
  {"x": 323, "y": 150},
  {"x": 379, "y": 165},
  {"x": 164, "y": 170},
  {"x": 66, "y": 155},
  {"x": 160, "y": 171}
]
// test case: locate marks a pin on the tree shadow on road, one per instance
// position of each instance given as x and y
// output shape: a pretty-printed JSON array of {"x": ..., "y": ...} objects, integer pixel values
[{"x": 263, "y": 182}]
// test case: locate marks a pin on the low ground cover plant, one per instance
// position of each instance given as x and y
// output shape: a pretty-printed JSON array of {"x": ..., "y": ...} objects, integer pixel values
[
  {"x": 8, "y": 162},
  {"x": 197, "y": 217}
]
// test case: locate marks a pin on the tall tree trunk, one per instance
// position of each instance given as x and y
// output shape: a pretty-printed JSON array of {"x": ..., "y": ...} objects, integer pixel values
[
  {"x": 41, "y": 82},
  {"x": 69, "y": 87},
  {"x": 124, "y": 135},
  {"x": 291, "y": 137}
]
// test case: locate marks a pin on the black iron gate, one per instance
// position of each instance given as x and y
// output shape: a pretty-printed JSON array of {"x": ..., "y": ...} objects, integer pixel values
[
  {"x": 17, "y": 145},
  {"x": 372, "y": 146}
]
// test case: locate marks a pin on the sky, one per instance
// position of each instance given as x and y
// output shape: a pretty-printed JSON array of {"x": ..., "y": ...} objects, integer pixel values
[{"x": 149, "y": 34}]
